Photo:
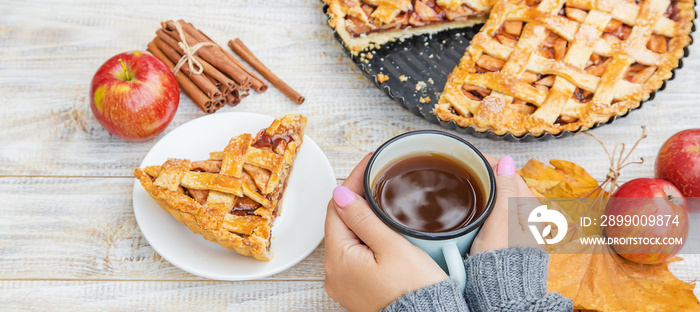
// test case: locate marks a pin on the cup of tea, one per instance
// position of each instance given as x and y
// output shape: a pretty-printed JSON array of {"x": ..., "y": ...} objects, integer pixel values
[{"x": 435, "y": 189}]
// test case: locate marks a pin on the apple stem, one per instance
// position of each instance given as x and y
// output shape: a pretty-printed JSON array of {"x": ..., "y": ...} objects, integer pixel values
[{"x": 126, "y": 70}]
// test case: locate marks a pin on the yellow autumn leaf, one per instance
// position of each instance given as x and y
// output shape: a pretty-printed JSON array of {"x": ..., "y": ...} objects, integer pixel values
[
  {"x": 566, "y": 179},
  {"x": 603, "y": 281},
  {"x": 594, "y": 277},
  {"x": 568, "y": 188}
]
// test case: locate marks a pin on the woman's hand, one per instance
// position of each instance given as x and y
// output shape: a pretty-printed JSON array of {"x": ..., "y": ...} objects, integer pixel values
[
  {"x": 368, "y": 265},
  {"x": 510, "y": 185}
]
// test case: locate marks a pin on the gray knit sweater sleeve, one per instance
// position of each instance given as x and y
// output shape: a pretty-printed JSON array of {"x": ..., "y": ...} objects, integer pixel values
[
  {"x": 509, "y": 279},
  {"x": 444, "y": 296}
]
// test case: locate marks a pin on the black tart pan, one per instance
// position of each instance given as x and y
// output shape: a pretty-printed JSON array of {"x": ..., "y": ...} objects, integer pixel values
[{"x": 425, "y": 61}]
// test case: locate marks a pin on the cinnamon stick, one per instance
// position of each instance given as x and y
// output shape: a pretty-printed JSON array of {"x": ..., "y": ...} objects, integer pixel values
[
  {"x": 216, "y": 57},
  {"x": 217, "y": 84},
  {"x": 239, "y": 48},
  {"x": 200, "y": 80},
  {"x": 256, "y": 83},
  {"x": 208, "y": 68},
  {"x": 190, "y": 88},
  {"x": 219, "y": 103},
  {"x": 232, "y": 99}
]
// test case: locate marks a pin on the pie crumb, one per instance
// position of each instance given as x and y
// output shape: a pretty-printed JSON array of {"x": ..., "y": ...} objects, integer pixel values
[
  {"x": 381, "y": 78},
  {"x": 403, "y": 78},
  {"x": 369, "y": 56},
  {"x": 420, "y": 85},
  {"x": 430, "y": 80},
  {"x": 340, "y": 59},
  {"x": 425, "y": 100}
]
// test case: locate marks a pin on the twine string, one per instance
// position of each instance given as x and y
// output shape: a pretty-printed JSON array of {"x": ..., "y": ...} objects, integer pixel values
[
  {"x": 618, "y": 160},
  {"x": 188, "y": 53}
]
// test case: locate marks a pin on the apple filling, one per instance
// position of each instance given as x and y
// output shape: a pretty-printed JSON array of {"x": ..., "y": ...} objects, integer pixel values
[
  {"x": 555, "y": 47},
  {"x": 245, "y": 206},
  {"x": 673, "y": 12},
  {"x": 373, "y": 16}
]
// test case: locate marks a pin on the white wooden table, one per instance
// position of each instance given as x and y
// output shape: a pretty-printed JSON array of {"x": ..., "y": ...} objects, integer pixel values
[{"x": 68, "y": 237}]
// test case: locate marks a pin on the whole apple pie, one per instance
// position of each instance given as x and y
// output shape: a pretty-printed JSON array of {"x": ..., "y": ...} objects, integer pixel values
[
  {"x": 536, "y": 66},
  {"x": 548, "y": 66},
  {"x": 233, "y": 197}
]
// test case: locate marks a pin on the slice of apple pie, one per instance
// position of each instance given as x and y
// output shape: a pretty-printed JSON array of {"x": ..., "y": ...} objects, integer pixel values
[{"x": 232, "y": 197}]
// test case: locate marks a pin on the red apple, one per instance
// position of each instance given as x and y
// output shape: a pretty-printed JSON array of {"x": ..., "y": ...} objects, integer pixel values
[
  {"x": 679, "y": 162},
  {"x": 646, "y": 209},
  {"x": 134, "y": 96}
]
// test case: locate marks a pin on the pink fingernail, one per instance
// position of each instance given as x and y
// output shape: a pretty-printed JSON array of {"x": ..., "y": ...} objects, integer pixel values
[
  {"x": 506, "y": 166},
  {"x": 342, "y": 196}
]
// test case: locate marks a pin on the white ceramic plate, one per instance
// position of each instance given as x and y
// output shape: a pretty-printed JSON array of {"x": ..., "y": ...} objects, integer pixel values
[{"x": 295, "y": 234}]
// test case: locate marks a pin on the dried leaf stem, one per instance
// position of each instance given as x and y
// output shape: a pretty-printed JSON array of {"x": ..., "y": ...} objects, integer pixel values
[{"x": 618, "y": 160}]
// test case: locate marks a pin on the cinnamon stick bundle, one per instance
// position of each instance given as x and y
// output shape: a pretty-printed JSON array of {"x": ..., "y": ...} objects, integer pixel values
[
  {"x": 256, "y": 83},
  {"x": 201, "y": 81},
  {"x": 205, "y": 103},
  {"x": 209, "y": 75},
  {"x": 208, "y": 68},
  {"x": 241, "y": 50},
  {"x": 215, "y": 55}
]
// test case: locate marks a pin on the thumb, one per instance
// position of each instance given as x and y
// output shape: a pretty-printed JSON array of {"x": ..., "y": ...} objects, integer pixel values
[
  {"x": 505, "y": 178},
  {"x": 360, "y": 218},
  {"x": 495, "y": 231},
  {"x": 514, "y": 203},
  {"x": 507, "y": 188}
]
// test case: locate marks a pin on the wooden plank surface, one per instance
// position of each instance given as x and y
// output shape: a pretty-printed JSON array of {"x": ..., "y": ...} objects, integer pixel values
[
  {"x": 71, "y": 234},
  {"x": 50, "y": 52},
  {"x": 57, "y": 145},
  {"x": 84, "y": 228},
  {"x": 68, "y": 238},
  {"x": 164, "y": 296}
]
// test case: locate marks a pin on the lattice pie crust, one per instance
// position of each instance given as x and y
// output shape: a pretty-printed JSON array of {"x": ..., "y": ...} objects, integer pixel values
[{"x": 553, "y": 65}]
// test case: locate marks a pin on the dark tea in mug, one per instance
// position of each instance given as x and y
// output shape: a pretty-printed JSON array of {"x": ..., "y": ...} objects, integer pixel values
[{"x": 429, "y": 192}]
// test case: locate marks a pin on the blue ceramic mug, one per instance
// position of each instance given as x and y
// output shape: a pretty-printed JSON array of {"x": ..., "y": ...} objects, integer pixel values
[{"x": 446, "y": 248}]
